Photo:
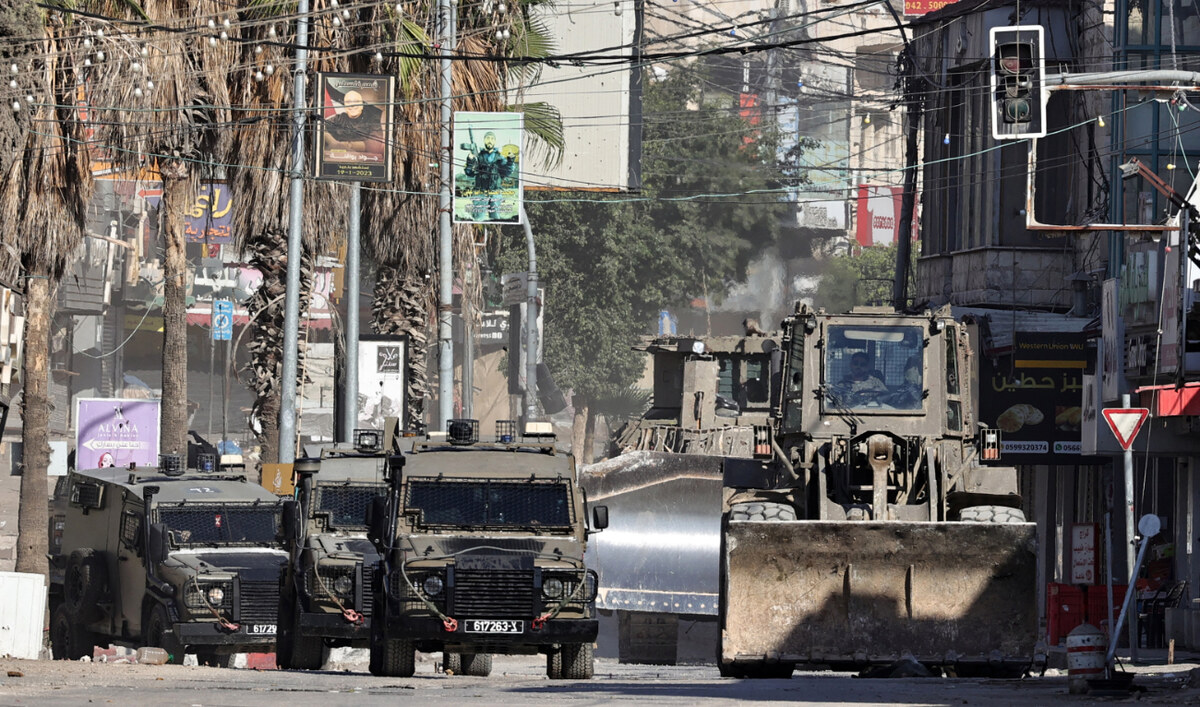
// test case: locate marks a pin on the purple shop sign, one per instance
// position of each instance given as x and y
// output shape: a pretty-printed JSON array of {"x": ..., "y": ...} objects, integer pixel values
[{"x": 116, "y": 432}]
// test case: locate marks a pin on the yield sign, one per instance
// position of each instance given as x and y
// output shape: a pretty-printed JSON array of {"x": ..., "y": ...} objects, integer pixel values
[{"x": 1125, "y": 423}]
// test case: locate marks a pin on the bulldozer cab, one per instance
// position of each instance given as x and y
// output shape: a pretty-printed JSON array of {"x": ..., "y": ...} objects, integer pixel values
[{"x": 868, "y": 369}]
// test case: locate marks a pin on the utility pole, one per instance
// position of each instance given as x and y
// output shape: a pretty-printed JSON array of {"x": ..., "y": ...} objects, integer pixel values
[
  {"x": 295, "y": 249},
  {"x": 350, "y": 388},
  {"x": 447, "y": 19}
]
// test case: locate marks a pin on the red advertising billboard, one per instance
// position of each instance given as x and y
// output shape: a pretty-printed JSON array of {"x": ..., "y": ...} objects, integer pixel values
[{"x": 878, "y": 215}]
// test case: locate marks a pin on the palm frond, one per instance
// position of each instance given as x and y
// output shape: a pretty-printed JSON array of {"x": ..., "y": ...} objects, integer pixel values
[
  {"x": 544, "y": 126},
  {"x": 532, "y": 38},
  {"x": 413, "y": 39}
]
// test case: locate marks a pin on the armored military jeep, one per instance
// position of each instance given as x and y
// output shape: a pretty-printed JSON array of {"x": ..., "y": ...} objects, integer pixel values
[
  {"x": 482, "y": 548},
  {"x": 326, "y": 598},
  {"x": 168, "y": 557}
]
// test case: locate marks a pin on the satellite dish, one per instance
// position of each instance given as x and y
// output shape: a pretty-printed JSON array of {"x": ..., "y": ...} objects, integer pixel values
[{"x": 1149, "y": 525}]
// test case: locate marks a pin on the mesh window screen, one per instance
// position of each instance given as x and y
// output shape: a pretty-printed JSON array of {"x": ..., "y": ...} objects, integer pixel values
[
  {"x": 490, "y": 503},
  {"x": 346, "y": 506},
  {"x": 220, "y": 524}
]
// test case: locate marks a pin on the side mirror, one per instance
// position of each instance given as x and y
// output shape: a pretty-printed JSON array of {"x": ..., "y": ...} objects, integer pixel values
[
  {"x": 291, "y": 520},
  {"x": 377, "y": 520},
  {"x": 600, "y": 517},
  {"x": 157, "y": 552}
]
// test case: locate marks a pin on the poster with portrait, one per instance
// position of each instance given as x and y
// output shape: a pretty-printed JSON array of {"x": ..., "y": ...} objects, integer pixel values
[
  {"x": 115, "y": 432},
  {"x": 382, "y": 380},
  {"x": 487, "y": 167},
  {"x": 355, "y": 127}
]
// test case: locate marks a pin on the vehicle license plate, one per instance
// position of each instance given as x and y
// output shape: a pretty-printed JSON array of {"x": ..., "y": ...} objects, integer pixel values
[
  {"x": 494, "y": 626},
  {"x": 261, "y": 629}
]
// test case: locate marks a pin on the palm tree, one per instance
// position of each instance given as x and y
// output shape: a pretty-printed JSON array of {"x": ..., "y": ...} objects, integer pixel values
[
  {"x": 43, "y": 198},
  {"x": 400, "y": 225},
  {"x": 263, "y": 93},
  {"x": 161, "y": 99}
]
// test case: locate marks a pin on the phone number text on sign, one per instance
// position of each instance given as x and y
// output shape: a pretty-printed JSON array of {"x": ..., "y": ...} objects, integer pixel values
[{"x": 1024, "y": 447}]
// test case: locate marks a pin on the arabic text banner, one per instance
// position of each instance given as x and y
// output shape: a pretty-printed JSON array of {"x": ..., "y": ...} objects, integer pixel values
[{"x": 1035, "y": 396}]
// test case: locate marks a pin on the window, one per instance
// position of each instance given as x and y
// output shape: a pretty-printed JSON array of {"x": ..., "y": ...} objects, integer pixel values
[
  {"x": 489, "y": 503},
  {"x": 878, "y": 367}
]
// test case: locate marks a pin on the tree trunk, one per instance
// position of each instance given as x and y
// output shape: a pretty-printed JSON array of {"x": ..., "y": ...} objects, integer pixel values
[
  {"x": 589, "y": 438},
  {"x": 579, "y": 423},
  {"x": 173, "y": 433},
  {"x": 268, "y": 254},
  {"x": 400, "y": 306},
  {"x": 32, "y": 518}
]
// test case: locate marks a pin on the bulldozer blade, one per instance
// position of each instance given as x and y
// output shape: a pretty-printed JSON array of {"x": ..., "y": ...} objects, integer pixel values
[
  {"x": 661, "y": 551},
  {"x": 859, "y": 593}
]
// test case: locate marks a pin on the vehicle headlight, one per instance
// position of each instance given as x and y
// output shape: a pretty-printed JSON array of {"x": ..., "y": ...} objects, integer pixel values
[
  {"x": 216, "y": 595},
  {"x": 552, "y": 587},
  {"x": 433, "y": 585},
  {"x": 590, "y": 581},
  {"x": 343, "y": 584}
]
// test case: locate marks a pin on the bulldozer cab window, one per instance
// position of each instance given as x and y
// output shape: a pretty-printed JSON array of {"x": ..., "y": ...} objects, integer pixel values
[
  {"x": 755, "y": 381},
  {"x": 875, "y": 367},
  {"x": 725, "y": 376},
  {"x": 745, "y": 380}
]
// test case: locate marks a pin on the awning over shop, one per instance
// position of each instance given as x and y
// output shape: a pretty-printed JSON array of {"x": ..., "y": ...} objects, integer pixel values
[{"x": 1169, "y": 400}]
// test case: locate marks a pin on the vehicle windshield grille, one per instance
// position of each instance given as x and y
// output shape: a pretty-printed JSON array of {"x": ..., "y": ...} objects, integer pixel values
[
  {"x": 345, "y": 506},
  {"x": 213, "y": 524},
  {"x": 452, "y": 502}
]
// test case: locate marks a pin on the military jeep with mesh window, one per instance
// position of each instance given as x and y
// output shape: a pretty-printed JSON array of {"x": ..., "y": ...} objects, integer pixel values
[
  {"x": 164, "y": 556},
  {"x": 482, "y": 552},
  {"x": 326, "y": 598}
]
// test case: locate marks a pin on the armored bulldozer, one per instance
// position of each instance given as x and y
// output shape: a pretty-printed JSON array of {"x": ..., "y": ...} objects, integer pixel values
[
  {"x": 871, "y": 531},
  {"x": 482, "y": 547},
  {"x": 663, "y": 485},
  {"x": 185, "y": 560},
  {"x": 326, "y": 599}
]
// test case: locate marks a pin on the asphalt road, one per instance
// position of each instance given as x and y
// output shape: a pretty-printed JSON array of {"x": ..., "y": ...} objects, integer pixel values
[{"x": 520, "y": 680}]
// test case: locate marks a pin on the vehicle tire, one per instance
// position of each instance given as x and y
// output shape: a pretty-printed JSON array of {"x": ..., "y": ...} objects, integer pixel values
[
  {"x": 578, "y": 661},
  {"x": 84, "y": 582},
  {"x": 452, "y": 663},
  {"x": 554, "y": 665},
  {"x": 477, "y": 664},
  {"x": 284, "y": 644},
  {"x": 308, "y": 652},
  {"x": 762, "y": 510},
  {"x": 68, "y": 639},
  {"x": 399, "y": 658},
  {"x": 991, "y": 514},
  {"x": 216, "y": 660},
  {"x": 376, "y": 643},
  {"x": 157, "y": 632}
]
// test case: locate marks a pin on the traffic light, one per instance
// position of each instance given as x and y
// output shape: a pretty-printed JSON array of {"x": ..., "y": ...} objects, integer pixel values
[{"x": 1018, "y": 73}]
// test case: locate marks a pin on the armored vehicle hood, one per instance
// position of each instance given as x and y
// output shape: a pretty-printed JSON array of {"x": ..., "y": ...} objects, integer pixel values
[{"x": 252, "y": 565}]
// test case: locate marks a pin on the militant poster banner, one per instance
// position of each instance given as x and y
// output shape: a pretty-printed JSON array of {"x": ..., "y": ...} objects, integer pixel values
[
  {"x": 487, "y": 167},
  {"x": 355, "y": 129},
  {"x": 111, "y": 432}
]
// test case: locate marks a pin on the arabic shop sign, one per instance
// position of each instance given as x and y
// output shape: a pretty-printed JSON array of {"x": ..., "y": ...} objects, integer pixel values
[
  {"x": 1141, "y": 280},
  {"x": 1035, "y": 397},
  {"x": 209, "y": 219}
]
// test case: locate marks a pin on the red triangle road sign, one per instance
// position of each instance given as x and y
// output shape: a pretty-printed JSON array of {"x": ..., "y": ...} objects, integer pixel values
[{"x": 1125, "y": 423}]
